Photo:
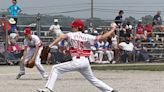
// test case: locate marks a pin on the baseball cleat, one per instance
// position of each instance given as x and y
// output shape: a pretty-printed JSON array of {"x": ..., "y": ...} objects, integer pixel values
[
  {"x": 114, "y": 91},
  {"x": 45, "y": 77},
  {"x": 19, "y": 75},
  {"x": 44, "y": 90}
]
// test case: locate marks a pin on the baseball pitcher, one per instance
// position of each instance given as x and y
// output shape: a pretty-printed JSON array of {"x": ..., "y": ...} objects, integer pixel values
[{"x": 80, "y": 51}]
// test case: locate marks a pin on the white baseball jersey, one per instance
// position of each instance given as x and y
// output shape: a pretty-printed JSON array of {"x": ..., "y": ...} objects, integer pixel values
[
  {"x": 79, "y": 48},
  {"x": 35, "y": 41},
  {"x": 80, "y": 43},
  {"x": 56, "y": 29}
]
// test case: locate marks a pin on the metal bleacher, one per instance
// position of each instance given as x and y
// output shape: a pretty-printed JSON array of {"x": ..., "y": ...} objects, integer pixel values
[{"x": 156, "y": 48}]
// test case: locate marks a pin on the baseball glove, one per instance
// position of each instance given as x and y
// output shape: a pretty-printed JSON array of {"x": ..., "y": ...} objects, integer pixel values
[{"x": 30, "y": 63}]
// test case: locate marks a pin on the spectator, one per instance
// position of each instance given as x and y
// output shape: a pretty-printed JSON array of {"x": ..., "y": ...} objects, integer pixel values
[
  {"x": 122, "y": 32},
  {"x": 148, "y": 31},
  {"x": 50, "y": 58},
  {"x": 102, "y": 48},
  {"x": 14, "y": 50},
  {"x": 13, "y": 26},
  {"x": 127, "y": 48},
  {"x": 94, "y": 56},
  {"x": 129, "y": 29},
  {"x": 141, "y": 53},
  {"x": 118, "y": 19},
  {"x": 115, "y": 41},
  {"x": 140, "y": 31},
  {"x": 55, "y": 28},
  {"x": 14, "y": 10},
  {"x": 157, "y": 20},
  {"x": 5, "y": 25}
]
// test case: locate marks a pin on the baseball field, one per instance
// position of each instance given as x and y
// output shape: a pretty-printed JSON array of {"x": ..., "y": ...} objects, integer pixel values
[{"x": 129, "y": 78}]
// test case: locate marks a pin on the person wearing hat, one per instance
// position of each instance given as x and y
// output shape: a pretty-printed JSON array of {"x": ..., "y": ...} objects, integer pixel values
[
  {"x": 13, "y": 25},
  {"x": 79, "y": 48},
  {"x": 55, "y": 28},
  {"x": 32, "y": 51}
]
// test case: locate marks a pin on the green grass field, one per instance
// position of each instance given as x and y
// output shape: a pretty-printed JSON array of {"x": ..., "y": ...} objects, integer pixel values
[{"x": 137, "y": 66}]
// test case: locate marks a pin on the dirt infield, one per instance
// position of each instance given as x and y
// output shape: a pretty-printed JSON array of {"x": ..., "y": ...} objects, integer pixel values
[{"x": 123, "y": 81}]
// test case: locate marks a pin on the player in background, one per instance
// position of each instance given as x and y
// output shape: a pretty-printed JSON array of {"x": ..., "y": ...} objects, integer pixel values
[
  {"x": 80, "y": 51},
  {"x": 56, "y": 31},
  {"x": 55, "y": 28},
  {"x": 32, "y": 50}
]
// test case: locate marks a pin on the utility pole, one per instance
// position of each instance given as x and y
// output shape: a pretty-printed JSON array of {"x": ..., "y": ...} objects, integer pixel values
[
  {"x": 91, "y": 9},
  {"x": 91, "y": 22},
  {"x": 38, "y": 24}
]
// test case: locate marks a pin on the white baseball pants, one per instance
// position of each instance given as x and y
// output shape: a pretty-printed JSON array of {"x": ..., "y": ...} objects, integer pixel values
[
  {"x": 77, "y": 64},
  {"x": 110, "y": 55},
  {"x": 38, "y": 64}
]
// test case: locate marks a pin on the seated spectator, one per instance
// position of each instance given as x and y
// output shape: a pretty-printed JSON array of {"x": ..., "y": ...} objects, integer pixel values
[
  {"x": 148, "y": 31},
  {"x": 123, "y": 30},
  {"x": 127, "y": 48},
  {"x": 102, "y": 48},
  {"x": 50, "y": 58},
  {"x": 14, "y": 50},
  {"x": 140, "y": 31},
  {"x": 58, "y": 53},
  {"x": 129, "y": 30},
  {"x": 94, "y": 56},
  {"x": 141, "y": 54}
]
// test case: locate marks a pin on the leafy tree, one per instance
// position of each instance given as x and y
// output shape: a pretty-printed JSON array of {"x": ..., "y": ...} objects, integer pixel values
[
  {"x": 147, "y": 19},
  {"x": 131, "y": 19}
]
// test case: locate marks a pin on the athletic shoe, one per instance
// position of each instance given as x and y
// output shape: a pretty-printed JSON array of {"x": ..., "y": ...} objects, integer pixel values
[
  {"x": 114, "y": 91},
  {"x": 19, "y": 75},
  {"x": 44, "y": 90},
  {"x": 45, "y": 76}
]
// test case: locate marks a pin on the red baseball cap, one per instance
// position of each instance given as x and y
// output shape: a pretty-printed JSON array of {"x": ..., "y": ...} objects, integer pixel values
[
  {"x": 77, "y": 23},
  {"x": 27, "y": 31}
]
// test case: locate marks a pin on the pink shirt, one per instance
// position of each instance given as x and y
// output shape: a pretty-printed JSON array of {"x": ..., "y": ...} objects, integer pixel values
[{"x": 12, "y": 48}]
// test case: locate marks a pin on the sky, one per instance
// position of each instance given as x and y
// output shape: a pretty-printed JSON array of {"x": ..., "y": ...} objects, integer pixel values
[{"x": 105, "y": 9}]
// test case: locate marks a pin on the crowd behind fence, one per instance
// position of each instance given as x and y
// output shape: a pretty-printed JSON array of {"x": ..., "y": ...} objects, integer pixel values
[{"x": 154, "y": 45}]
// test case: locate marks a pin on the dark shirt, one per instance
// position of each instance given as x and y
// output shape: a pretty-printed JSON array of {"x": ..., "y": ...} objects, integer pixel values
[
  {"x": 157, "y": 20},
  {"x": 118, "y": 20}
]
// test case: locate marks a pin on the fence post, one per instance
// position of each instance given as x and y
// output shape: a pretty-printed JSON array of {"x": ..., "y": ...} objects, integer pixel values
[
  {"x": 134, "y": 42},
  {"x": 6, "y": 39},
  {"x": 38, "y": 24}
]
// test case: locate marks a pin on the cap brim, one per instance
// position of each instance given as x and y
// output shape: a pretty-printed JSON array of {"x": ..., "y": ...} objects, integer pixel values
[{"x": 12, "y": 22}]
